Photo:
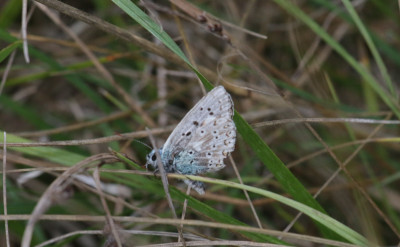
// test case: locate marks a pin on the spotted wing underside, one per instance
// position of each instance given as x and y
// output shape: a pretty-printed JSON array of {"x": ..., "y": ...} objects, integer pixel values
[{"x": 212, "y": 112}]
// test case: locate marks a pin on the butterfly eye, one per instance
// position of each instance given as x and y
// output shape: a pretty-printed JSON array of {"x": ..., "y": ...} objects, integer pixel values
[{"x": 154, "y": 157}]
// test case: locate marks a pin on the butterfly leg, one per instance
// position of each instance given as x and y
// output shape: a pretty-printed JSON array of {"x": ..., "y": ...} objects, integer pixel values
[
  {"x": 198, "y": 186},
  {"x": 155, "y": 172}
]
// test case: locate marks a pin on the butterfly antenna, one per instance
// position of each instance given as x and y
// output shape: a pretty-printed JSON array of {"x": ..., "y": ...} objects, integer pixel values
[{"x": 143, "y": 143}]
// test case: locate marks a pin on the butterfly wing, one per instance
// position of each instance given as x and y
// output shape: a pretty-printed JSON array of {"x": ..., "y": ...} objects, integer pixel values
[
  {"x": 210, "y": 104},
  {"x": 210, "y": 145},
  {"x": 204, "y": 137}
]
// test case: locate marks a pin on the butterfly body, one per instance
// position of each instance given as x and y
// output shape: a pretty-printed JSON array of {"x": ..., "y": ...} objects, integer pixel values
[{"x": 201, "y": 141}]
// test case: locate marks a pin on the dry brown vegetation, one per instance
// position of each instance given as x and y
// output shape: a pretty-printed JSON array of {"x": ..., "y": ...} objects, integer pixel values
[{"x": 317, "y": 83}]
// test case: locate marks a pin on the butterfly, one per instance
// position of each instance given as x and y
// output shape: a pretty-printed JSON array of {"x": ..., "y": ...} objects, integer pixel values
[{"x": 201, "y": 141}]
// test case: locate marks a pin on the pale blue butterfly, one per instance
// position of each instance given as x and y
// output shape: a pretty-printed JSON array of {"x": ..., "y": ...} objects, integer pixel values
[{"x": 201, "y": 141}]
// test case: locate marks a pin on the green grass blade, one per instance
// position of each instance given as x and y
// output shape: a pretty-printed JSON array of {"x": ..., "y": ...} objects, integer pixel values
[
  {"x": 56, "y": 155},
  {"x": 389, "y": 51},
  {"x": 145, "y": 21},
  {"x": 26, "y": 113},
  {"x": 7, "y": 50},
  {"x": 371, "y": 45},
  {"x": 10, "y": 13},
  {"x": 339, "y": 228}
]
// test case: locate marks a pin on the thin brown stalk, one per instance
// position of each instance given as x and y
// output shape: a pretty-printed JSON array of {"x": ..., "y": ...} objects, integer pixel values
[
  {"x": 24, "y": 24},
  {"x": 135, "y": 106},
  {"x": 250, "y": 203},
  {"x": 198, "y": 223},
  {"x": 76, "y": 126},
  {"x": 164, "y": 180},
  {"x": 110, "y": 221},
  {"x": 325, "y": 120},
  {"x": 119, "y": 137},
  {"x": 348, "y": 174},
  {"x": 7, "y": 71},
  {"x": 334, "y": 175},
  {"x": 5, "y": 188}
]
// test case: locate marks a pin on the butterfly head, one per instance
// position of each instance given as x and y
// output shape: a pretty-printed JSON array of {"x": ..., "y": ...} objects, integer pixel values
[{"x": 152, "y": 158}]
